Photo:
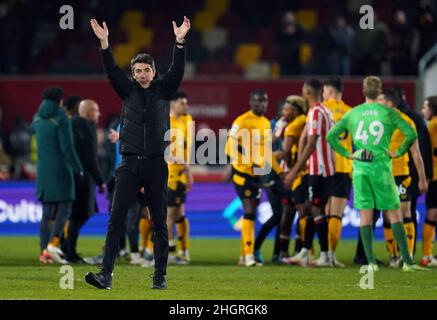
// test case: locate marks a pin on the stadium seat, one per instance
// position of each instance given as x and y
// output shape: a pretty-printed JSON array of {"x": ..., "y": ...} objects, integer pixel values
[
  {"x": 258, "y": 70},
  {"x": 204, "y": 20},
  {"x": 208, "y": 69},
  {"x": 190, "y": 70},
  {"x": 218, "y": 7},
  {"x": 215, "y": 38},
  {"x": 141, "y": 37},
  {"x": 123, "y": 53},
  {"x": 231, "y": 69},
  {"x": 305, "y": 53},
  {"x": 131, "y": 19},
  {"x": 247, "y": 53},
  {"x": 307, "y": 18},
  {"x": 230, "y": 21}
]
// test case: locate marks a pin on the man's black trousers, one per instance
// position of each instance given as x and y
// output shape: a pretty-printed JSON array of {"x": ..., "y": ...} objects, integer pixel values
[{"x": 133, "y": 173}]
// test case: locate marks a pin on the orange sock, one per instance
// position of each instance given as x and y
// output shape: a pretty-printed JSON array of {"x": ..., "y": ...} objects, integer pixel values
[
  {"x": 149, "y": 246},
  {"x": 56, "y": 241},
  {"x": 302, "y": 226},
  {"x": 334, "y": 232},
  {"x": 145, "y": 228},
  {"x": 248, "y": 235},
  {"x": 410, "y": 232},
  {"x": 66, "y": 230},
  {"x": 390, "y": 242},
  {"x": 428, "y": 234}
]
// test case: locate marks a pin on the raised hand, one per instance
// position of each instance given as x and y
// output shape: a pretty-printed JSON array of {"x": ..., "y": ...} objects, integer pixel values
[
  {"x": 101, "y": 33},
  {"x": 181, "y": 31}
]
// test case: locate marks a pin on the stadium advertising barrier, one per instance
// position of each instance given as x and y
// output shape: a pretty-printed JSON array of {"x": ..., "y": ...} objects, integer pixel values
[
  {"x": 212, "y": 208},
  {"x": 213, "y": 103}
]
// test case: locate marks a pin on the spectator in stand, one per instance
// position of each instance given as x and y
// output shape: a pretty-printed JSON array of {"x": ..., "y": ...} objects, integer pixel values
[
  {"x": 341, "y": 40},
  {"x": 85, "y": 141},
  {"x": 427, "y": 28},
  {"x": 370, "y": 48},
  {"x": 5, "y": 160},
  {"x": 19, "y": 140},
  {"x": 289, "y": 39},
  {"x": 404, "y": 43}
]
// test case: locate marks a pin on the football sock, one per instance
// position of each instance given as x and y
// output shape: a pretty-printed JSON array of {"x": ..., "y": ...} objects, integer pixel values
[
  {"x": 366, "y": 233},
  {"x": 149, "y": 247},
  {"x": 322, "y": 232},
  {"x": 284, "y": 242},
  {"x": 309, "y": 233},
  {"x": 56, "y": 241},
  {"x": 183, "y": 229},
  {"x": 171, "y": 247},
  {"x": 66, "y": 230},
  {"x": 145, "y": 227},
  {"x": 428, "y": 234},
  {"x": 334, "y": 232},
  {"x": 248, "y": 233},
  {"x": 390, "y": 242},
  {"x": 410, "y": 233},
  {"x": 401, "y": 239}
]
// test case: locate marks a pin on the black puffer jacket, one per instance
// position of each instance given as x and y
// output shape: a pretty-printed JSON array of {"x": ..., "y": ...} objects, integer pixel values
[{"x": 145, "y": 112}]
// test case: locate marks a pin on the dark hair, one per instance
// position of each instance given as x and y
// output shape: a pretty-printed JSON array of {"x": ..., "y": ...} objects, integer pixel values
[
  {"x": 432, "y": 102},
  {"x": 179, "y": 95},
  {"x": 143, "y": 58},
  {"x": 392, "y": 95},
  {"x": 54, "y": 94},
  {"x": 334, "y": 82},
  {"x": 315, "y": 86},
  {"x": 72, "y": 102},
  {"x": 257, "y": 92},
  {"x": 400, "y": 91}
]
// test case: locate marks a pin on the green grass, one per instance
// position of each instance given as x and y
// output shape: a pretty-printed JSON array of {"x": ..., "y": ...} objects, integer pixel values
[{"x": 213, "y": 274}]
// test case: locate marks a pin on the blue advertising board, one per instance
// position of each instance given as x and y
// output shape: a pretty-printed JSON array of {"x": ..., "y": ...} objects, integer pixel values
[{"x": 212, "y": 209}]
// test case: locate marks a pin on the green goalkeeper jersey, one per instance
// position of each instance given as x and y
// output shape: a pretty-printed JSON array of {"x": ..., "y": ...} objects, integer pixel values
[{"x": 371, "y": 126}]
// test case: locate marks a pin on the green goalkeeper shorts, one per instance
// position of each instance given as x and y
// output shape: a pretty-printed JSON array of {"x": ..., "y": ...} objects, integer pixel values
[{"x": 374, "y": 186}]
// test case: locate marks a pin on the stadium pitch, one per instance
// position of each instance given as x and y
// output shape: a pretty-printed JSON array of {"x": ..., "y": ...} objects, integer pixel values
[{"x": 213, "y": 274}]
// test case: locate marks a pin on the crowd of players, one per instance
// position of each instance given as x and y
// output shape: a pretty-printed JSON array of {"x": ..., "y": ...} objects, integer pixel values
[{"x": 307, "y": 179}]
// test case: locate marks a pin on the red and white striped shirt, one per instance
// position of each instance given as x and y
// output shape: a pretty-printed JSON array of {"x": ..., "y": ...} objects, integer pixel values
[{"x": 321, "y": 161}]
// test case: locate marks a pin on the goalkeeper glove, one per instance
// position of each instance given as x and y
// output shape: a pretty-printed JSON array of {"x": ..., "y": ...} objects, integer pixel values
[{"x": 363, "y": 155}]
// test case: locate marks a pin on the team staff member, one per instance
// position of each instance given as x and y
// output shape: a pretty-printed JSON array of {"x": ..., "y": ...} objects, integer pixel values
[
  {"x": 57, "y": 161},
  {"x": 85, "y": 142},
  {"x": 341, "y": 181},
  {"x": 249, "y": 148},
  {"x": 429, "y": 111},
  {"x": 425, "y": 150},
  {"x": 144, "y": 122},
  {"x": 180, "y": 179},
  {"x": 401, "y": 173}
]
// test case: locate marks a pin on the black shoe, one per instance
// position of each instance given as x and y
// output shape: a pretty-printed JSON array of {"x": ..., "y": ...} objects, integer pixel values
[
  {"x": 75, "y": 259},
  {"x": 361, "y": 261},
  {"x": 159, "y": 281},
  {"x": 99, "y": 280}
]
